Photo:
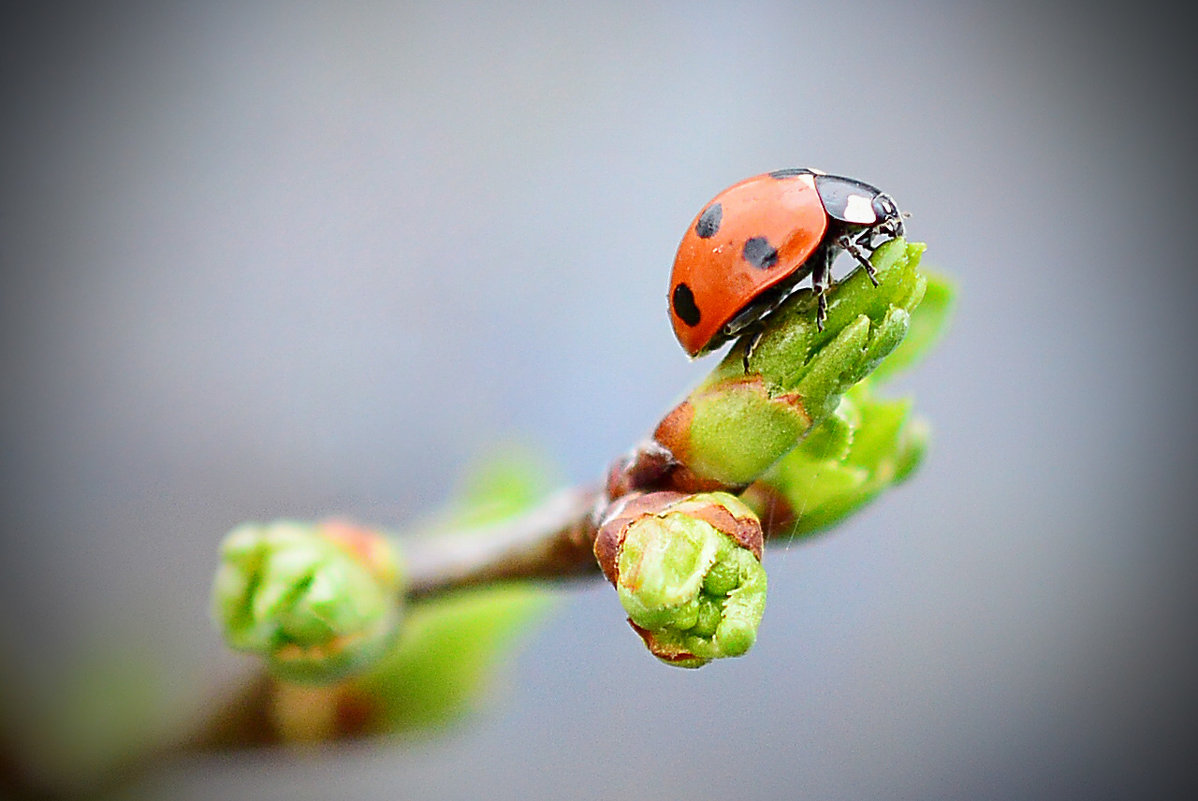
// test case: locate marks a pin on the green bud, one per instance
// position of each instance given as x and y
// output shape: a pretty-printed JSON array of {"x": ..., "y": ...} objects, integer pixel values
[
  {"x": 864, "y": 324},
  {"x": 318, "y": 602},
  {"x": 688, "y": 572},
  {"x": 866, "y": 446},
  {"x": 738, "y": 423}
]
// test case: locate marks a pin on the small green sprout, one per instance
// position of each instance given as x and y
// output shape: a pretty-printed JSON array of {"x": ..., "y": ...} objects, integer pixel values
[
  {"x": 318, "y": 602},
  {"x": 688, "y": 573}
]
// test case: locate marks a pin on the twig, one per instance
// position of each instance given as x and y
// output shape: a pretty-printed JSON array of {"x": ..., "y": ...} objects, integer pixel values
[{"x": 552, "y": 541}]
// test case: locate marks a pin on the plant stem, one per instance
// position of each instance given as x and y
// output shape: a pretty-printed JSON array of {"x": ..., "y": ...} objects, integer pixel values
[{"x": 552, "y": 541}]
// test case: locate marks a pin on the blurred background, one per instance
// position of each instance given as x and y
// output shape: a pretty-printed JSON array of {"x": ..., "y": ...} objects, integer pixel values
[{"x": 291, "y": 260}]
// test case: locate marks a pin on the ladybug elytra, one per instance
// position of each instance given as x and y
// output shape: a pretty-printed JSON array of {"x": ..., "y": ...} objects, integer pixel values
[{"x": 747, "y": 249}]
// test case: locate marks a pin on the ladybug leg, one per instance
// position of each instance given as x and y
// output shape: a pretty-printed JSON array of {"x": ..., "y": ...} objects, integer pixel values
[
  {"x": 857, "y": 253},
  {"x": 821, "y": 279},
  {"x": 758, "y": 330}
]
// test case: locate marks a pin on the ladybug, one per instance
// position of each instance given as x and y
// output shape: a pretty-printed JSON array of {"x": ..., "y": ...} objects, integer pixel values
[{"x": 748, "y": 247}]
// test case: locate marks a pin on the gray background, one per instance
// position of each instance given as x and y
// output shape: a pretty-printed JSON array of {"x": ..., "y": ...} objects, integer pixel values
[{"x": 299, "y": 259}]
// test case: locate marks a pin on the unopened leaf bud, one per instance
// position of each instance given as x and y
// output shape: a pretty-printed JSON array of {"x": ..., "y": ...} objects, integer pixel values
[
  {"x": 317, "y": 601},
  {"x": 688, "y": 572}
]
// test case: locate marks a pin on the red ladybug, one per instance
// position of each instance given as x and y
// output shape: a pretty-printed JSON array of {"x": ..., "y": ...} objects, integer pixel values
[{"x": 750, "y": 245}]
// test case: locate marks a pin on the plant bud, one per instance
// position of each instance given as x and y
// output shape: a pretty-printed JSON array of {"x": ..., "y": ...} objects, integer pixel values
[
  {"x": 688, "y": 572},
  {"x": 318, "y": 602}
]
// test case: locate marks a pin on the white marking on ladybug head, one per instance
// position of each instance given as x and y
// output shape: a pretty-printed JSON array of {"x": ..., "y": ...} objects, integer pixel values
[
  {"x": 859, "y": 209},
  {"x": 884, "y": 204},
  {"x": 817, "y": 172}
]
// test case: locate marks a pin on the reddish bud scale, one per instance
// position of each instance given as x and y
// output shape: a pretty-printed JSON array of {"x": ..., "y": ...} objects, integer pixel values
[
  {"x": 620, "y": 515},
  {"x": 777, "y": 515},
  {"x": 368, "y": 546},
  {"x": 653, "y": 467},
  {"x": 660, "y": 650},
  {"x": 610, "y": 537},
  {"x": 671, "y": 460}
]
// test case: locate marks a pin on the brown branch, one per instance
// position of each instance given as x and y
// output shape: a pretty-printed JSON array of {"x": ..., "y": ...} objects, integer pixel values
[{"x": 552, "y": 541}]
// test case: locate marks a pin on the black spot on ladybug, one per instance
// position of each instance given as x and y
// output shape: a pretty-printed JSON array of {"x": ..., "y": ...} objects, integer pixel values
[
  {"x": 760, "y": 253},
  {"x": 789, "y": 173},
  {"x": 709, "y": 221},
  {"x": 684, "y": 305}
]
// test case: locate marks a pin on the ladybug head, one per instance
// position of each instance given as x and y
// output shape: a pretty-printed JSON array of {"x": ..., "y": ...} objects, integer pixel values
[
  {"x": 857, "y": 206},
  {"x": 889, "y": 218}
]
